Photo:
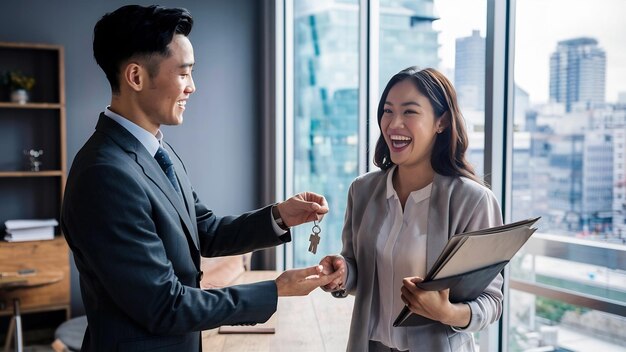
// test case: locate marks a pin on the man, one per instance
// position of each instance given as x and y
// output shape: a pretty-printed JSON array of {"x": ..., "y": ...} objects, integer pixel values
[{"x": 136, "y": 227}]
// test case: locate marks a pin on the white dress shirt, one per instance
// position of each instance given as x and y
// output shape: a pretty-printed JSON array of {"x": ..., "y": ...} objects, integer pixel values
[
  {"x": 147, "y": 139},
  {"x": 400, "y": 253}
]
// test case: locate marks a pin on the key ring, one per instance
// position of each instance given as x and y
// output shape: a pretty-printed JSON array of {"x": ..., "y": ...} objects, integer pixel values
[{"x": 316, "y": 228}]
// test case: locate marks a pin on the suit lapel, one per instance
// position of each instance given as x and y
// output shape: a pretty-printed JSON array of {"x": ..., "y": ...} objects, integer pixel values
[
  {"x": 150, "y": 167},
  {"x": 154, "y": 172},
  {"x": 373, "y": 221},
  {"x": 438, "y": 220}
]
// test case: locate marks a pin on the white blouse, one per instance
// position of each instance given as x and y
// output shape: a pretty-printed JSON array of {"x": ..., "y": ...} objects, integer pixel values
[{"x": 400, "y": 253}]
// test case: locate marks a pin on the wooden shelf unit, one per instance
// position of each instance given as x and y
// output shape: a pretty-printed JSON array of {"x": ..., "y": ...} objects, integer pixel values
[
  {"x": 38, "y": 124},
  {"x": 25, "y": 194}
]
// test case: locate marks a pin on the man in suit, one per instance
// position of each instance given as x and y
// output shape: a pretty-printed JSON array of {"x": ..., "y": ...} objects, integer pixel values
[{"x": 136, "y": 227}]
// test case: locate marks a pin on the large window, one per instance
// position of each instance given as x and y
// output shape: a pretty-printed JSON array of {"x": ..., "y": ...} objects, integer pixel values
[
  {"x": 325, "y": 108},
  {"x": 565, "y": 134},
  {"x": 447, "y": 35},
  {"x": 569, "y": 167},
  {"x": 326, "y": 59}
]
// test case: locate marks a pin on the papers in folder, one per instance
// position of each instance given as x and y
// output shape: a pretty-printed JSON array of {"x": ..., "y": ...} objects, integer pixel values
[
  {"x": 469, "y": 262},
  {"x": 478, "y": 249}
]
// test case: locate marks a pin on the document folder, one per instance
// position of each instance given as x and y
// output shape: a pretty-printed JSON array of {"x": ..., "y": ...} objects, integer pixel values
[{"x": 469, "y": 263}]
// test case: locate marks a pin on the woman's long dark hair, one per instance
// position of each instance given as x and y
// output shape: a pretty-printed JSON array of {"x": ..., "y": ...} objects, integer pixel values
[{"x": 448, "y": 155}]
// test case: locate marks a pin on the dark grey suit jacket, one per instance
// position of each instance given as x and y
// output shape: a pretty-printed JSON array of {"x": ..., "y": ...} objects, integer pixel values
[{"x": 137, "y": 246}]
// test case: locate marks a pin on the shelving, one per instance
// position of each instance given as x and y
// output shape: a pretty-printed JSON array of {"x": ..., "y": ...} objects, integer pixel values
[
  {"x": 39, "y": 124},
  {"x": 10, "y": 105},
  {"x": 24, "y": 194}
]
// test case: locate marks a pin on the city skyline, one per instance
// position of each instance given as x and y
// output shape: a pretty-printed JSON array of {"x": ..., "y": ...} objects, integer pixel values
[{"x": 459, "y": 18}]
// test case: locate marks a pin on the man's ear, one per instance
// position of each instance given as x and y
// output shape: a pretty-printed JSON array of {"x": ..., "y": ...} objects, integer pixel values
[{"x": 133, "y": 76}]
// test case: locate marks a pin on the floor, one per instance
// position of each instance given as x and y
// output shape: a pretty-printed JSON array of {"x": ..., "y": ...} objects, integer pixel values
[{"x": 38, "y": 348}]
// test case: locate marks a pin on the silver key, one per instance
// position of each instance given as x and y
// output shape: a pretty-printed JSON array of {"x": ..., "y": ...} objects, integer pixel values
[{"x": 314, "y": 238}]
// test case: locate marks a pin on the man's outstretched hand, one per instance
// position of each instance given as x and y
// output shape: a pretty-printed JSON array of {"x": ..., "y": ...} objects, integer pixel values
[{"x": 300, "y": 282}]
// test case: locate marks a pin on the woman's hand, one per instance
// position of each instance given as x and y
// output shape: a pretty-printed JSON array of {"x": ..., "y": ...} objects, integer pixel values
[
  {"x": 333, "y": 264},
  {"x": 434, "y": 305}
]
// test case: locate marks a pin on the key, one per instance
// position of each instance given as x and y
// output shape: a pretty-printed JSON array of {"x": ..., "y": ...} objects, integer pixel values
[{"x": 314, "y": 238}]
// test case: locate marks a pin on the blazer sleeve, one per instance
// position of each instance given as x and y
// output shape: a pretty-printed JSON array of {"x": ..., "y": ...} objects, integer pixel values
[
  {"x": 348, "y": 249},
  {"x": 486, "y": 308},
  {"x": 229, "y": 235},
  {"x": 108, "y": 218}
]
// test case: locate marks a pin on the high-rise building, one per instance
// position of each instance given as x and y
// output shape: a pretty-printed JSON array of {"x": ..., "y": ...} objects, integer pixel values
[
  {"x": 407, "y": 37},
  {"x": 619, "y": 177},
  {"x": 578, "y": 73},
  {"x": 469, "y": 71},
  {"x": 565, "y": 161},
  {"x": 597, "y": 195}
]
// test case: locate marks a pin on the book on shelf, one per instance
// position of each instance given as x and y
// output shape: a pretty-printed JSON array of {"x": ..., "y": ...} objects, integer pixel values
[
  {"x": 29, "y": 230},
  {"x": 469, "y": 262}
]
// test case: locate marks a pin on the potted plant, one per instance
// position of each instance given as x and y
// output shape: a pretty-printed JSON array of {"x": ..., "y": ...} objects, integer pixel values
[{"x": 19, "y": 85}]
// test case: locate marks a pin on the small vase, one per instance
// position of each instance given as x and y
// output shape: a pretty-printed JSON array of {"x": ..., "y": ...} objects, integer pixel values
[{"x": 19, "y": 96}]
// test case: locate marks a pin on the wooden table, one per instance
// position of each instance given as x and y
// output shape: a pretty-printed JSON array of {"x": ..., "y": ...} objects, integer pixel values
[
  {"x": 317, "y": 322},
  {"x": 15, "y": 281}
]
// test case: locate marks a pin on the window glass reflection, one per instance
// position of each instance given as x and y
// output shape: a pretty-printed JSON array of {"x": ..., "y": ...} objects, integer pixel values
[
  {"x": 326, "y": 63},
  {"x": 425, "y": 33},
  {"x": 568, "y": 167}
]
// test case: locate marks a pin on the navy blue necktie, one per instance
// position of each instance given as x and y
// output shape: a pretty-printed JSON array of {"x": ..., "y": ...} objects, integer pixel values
[{"x": 163, "y": 158}]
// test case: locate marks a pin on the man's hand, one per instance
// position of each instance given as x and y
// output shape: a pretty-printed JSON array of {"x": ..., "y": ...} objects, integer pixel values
[
  {"x": 300, "y": 282},
  {"x": 334, "y": 264},
  {"x": 303, "y": 207}
]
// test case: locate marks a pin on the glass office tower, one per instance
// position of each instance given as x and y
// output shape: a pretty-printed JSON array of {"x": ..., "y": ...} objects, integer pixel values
[
  {"x": 577, "y": 73},
  {"x": 326, "y": 64},
  {"x": 326, "y": 89},
  {"x": 469, "y": 71}
]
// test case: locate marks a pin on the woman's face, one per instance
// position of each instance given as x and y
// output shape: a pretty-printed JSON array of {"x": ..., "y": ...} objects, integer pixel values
[{"x": 408, "y": 125}]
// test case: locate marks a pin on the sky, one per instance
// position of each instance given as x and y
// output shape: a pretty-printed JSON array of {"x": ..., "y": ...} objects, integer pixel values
[{"x": 540, "y": 24}]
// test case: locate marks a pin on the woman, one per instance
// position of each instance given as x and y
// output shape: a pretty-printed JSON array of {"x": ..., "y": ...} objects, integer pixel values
[{"x": 399, "y": 219}]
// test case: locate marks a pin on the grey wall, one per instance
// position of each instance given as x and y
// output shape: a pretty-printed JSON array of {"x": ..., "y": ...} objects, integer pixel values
[{"x": 219, "y": 138}]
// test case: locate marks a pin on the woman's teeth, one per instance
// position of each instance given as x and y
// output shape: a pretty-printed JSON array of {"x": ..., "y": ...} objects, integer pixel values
[{"x": 400, "y": 141}]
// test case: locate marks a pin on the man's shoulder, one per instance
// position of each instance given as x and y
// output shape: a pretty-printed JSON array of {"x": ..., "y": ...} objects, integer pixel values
[{"x": 100, "y": 152}]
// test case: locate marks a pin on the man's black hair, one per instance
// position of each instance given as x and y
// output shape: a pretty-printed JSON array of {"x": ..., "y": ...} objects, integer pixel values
[{"x": 135, "y": 31}]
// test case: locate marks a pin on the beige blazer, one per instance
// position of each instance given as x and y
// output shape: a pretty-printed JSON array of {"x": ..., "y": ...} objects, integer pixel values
[{"x": 457, "y": 205}]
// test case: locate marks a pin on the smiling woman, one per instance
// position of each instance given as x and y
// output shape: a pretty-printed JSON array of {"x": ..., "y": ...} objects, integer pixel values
[
  {"x": 424, "y": 192},
  {"x": 429, "y": 117}
]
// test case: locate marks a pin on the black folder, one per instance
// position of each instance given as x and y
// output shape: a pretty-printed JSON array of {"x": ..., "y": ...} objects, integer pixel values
[
  {"x": 470, "y": 284},
  {"x": 463, "y": 287}
]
